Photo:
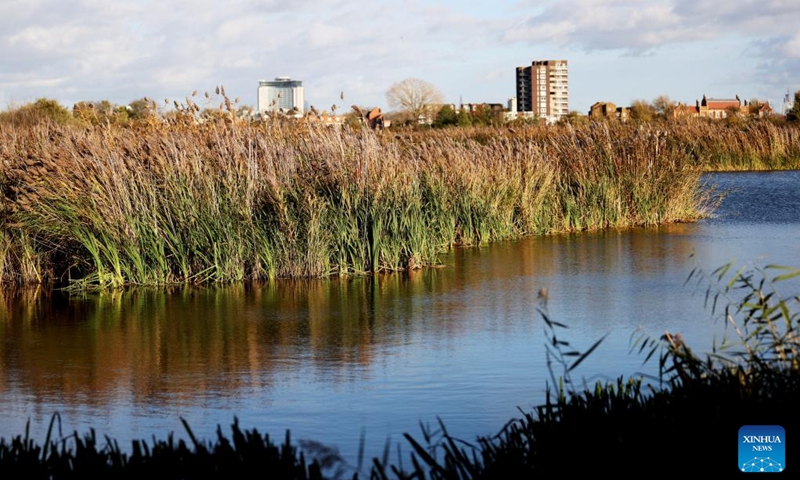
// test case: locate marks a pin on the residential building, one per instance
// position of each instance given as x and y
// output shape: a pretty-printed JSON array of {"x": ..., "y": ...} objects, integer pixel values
[
  {"x": 282, "y": 95},
  {"x": 478, "y": 107},
  {"x": 603, "y": 110},
  {"x": 719, "y": 107},
  {"x": 787, "y": 104},
  {"x": 543, "y": 88}
]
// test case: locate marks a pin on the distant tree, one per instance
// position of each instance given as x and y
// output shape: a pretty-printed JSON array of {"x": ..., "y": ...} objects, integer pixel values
[
  {"x": 93, "y": 112},
  {"x": 641, "y": 111},
  {"x": 664, "y": 106},
  {"x": 485, "y": 115},
  {"x": 522, "y": 121},
  {"x": 53, "y": 110},
  {"x": 446, "y": 117},
  {"x": 732, "y": 111},
  {"x": 42, "y": 110},
  {"x": 355, "y": 119},
  {"x": 142, "y": 109},
  {"x": 793, "y": 114},
  {"x": 122, "y": 114},
  {"x": 414, "y": 96},
  {"x": 463, "y": 118}
]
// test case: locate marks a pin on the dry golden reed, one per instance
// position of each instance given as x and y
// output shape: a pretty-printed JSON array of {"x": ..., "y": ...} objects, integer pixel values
[{"x": 171, "y": 202}]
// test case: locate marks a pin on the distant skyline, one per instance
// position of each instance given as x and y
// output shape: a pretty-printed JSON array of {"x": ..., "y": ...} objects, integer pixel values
[{"x": 618, "y": 50}]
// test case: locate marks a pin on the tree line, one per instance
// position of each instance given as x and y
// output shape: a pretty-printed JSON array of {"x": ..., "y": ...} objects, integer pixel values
[
  {"x": 416, "y": 102},
  {"x": 421, "y": 103}
]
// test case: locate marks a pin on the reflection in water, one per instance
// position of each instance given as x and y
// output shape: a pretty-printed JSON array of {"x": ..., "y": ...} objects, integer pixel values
[
  {"x": 155, "y": 346},
  {"x": 327, "y": 358}
]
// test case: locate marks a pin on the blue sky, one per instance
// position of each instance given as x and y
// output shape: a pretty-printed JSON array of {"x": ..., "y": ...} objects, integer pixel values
[{"x": 618, "y": 50}]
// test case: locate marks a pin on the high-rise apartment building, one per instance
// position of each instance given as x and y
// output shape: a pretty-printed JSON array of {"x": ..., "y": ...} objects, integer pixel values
[
  {"x": 543, "y": 88},
  {"x": 281, "y": 95}
]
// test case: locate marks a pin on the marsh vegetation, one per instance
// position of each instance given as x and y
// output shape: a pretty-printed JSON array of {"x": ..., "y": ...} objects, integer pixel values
[{"x": 221, "y": 201}]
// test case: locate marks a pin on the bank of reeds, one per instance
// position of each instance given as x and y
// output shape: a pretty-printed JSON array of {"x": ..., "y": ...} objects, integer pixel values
[
  {"x": 739, "y": 146},
  {"x": 159, "y": 204}
]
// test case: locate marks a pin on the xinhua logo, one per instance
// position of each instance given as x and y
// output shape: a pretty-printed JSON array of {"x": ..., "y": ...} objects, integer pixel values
[{"x": 762, "y": 448}]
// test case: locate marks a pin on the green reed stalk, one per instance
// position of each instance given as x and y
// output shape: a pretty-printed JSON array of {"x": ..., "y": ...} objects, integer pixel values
[{"x": 228, "y": 202}]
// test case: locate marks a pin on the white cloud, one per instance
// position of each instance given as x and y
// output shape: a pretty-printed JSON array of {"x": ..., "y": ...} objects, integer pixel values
[
  {"x": 95, "y": 49},
  {"x": 321, "y": 35},
  {"x": 792, "y": 46}
]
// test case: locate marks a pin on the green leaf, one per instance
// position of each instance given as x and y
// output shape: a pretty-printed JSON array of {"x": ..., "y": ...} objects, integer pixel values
[
  {"x": 586, "y": 354},
  {"x": 786, "y": 276}
]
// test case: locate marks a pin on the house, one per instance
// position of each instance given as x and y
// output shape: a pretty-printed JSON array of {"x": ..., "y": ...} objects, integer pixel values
[
  {"x": 683, "y": 110},
  {"x": 758, "y": 109},
  {"x": 723, "y": 108},
  {"x": 601, "y": 110},
  {"x": 719, "y": 107}
]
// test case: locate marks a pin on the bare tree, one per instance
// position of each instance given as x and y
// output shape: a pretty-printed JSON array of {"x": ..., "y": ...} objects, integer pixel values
[{"x": 413, "y": 96}]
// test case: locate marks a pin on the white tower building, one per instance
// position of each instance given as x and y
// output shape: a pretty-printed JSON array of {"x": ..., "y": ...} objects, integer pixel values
[{"x": 280, "y": 95}]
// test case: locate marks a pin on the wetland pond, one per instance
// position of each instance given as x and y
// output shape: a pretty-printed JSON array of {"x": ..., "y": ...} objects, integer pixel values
[{"x": 332, "y": 360}]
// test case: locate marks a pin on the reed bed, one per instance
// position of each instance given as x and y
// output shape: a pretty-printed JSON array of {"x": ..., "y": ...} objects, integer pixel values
[
  {"x": 165, "y": 203},
  {"x": 245, "y": 454},
  {"x": 739, "y": 146}
]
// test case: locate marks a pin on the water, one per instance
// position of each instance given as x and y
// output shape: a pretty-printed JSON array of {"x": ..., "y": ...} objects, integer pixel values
[{"x": 333, "y": 360}]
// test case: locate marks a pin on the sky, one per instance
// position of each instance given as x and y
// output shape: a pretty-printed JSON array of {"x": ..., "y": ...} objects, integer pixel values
[{"x": 617, "y": 50}]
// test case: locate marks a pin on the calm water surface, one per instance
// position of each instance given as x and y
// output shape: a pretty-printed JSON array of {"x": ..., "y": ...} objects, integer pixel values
[{"x": 331, "y": 359}]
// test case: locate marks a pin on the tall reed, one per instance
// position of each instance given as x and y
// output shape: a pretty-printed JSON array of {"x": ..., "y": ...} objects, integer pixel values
[
  {"x": 166, "y": 203},
  {"x": 739, "y": 146}
]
